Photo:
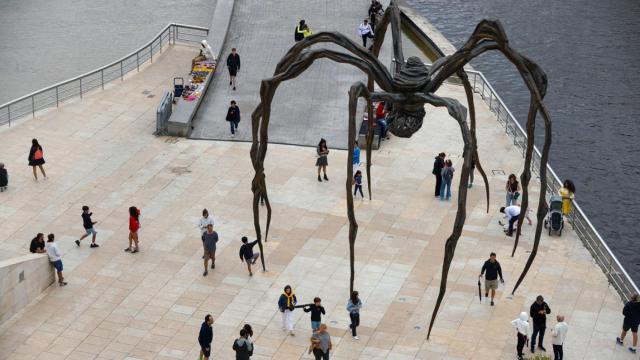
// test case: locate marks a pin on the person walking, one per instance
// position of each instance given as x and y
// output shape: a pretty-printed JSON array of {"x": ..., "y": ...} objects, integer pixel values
[
  {"x": 134, "y": 226},
  {"x": 631, "y": 312},
  {"x": 322, "y": 160},
  {"x": 233, "y": 64},
  {"x": 375, "y": 10},
  {"x": 316, "y": 310},
  {"x": 568, "y": 193},
  {"x": 37, "y": 245},
  {"x": 353, "y": 307},
  {"x": 513, "y": 214},
  {"x": 438, "y": 165},
  {"x": 538, "y": 311},
  {"x": 247, "y": 254},
  {"x": 87, "y": 223},
  {"x": 36, "y": 158},
  {"x": 205, "y": 337},
  {"x": 4, "y": 177},
  {"x": 492, "y": 269},
  {"x": 233, "y": 117},
  {"x": 513, "y": 190},
  {"x": 209, "y": 240},
  {"x": 356, "y": 157},
  {"x": 204, "y": 222},
  {"x": 286, "y": 304},
  {"x": 365, "y": 32},
  {"x": 242, "y": 346},
  {"x": 559, "y": 332},
  {"x": 522, "y": 327},
  {"x": 321, "y": 343},
  {"x": 302, "y": 31},
  {"x": 357, "y": 183},
  {"x": 381, "y": 120},
  {"x": 55, "y": 258},
  {"x": 447, "y": 178}
]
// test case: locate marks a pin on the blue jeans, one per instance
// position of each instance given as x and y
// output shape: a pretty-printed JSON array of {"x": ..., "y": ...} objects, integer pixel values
[
  {"x": 509, "y": 199},
  {"x": 382, "y": 123},
  {"x": 511, "y": 222},
  {"x": 234, "y": 126},
  {"x": 315, "y": 325},
  {"x": 445, "y": 184}
]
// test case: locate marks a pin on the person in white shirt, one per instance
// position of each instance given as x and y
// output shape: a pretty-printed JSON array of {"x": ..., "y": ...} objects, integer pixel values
[
  {"x": 559, "y": 332},
  {"x": 522, "y": 326},
  {"x": 55, "y": 257},
  {"x": 513, "y": 213},
  {"x": 365, "y": 31},
  {"x": 205, "y": 221}
]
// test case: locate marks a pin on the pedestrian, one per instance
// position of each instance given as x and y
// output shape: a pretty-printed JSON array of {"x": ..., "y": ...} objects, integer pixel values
[
  {"x": 242, "y": 346},
  {"x": 447, "y": 178},
  {"x": 302, "y": 31},
  {"x": 567, "y": 191},
  {"x": 513, "y": 190},
  {"x": 209, "y": 240},
  {"x": 538, "y": 311},
  {"x": 357, "y": 183},
  {"x": 247, "y": 254},
  {"x": 55, "y": 257},
  {"x": 87, "y": 223},
  {"x": 492, "y": 269},
  {"x": 316, "y": 310},
  {"x": 631, "y": 312},
  {"x": 206, "y": 337},
  {"x": 438, "y": 165},
  {"x": 233, "y": 117},
  {"x": 381, "y": 120},
  {"x": 522, "y": 326},
  {"x": 37, "y": 245},
  {"x": 322, "y": 161},
  {"x": 513, "y": 214},
  {"x": 286, "y": 304},
  {"x": 233, "y": 64},
  {"x": 249, "y": 331},
  {"x": 559, "y": 332},
  {"x": 356, "y": 156},
  {"x": 375, "y": 10},
  {"x": 205, "y": 220},
  {"x": 36, "y": 158},
  {"x": 4, "y": 177},
  {"x": 321, "y": 343},
  {"x": 365, "y": 31},
  {"x": 134, "y": 226},
  {"x": 353, "y": 307}
]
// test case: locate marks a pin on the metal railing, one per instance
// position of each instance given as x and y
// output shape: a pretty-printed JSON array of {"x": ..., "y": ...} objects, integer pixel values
[
  {"x": 53, "y": 95},
  {"x": 587, "y": 233}
]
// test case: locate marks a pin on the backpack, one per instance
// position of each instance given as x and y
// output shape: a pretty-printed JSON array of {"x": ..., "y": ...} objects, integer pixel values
[
  {"x": 447, "y": 173},
  {"x": 297, "y": 35}
]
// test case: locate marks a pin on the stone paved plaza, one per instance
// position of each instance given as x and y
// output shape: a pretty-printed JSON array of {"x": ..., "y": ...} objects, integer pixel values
[{"x": 101, "y": 152}]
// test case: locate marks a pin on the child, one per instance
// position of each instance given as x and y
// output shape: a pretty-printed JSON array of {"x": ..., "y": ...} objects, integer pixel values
[
  {"x": 357, "y": 181},
  {"x": 316, "y": 313},
  {"x": 247, "y": 254},
  {"x": 88, "y": 227},
  {"x": 134, "y": 225}
]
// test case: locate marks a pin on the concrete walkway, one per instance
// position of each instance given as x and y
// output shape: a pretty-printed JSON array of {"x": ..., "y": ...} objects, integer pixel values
[
  {"x": 100, "y": 152},
  {"x": 312, "y": 106}
]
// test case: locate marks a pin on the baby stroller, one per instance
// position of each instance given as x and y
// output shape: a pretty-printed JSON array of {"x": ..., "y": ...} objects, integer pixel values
[{"x": 555, "y": 220}]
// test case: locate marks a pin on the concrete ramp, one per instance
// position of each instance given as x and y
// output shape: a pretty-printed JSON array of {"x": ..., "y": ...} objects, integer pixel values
[{"x": 312, "y": 106}]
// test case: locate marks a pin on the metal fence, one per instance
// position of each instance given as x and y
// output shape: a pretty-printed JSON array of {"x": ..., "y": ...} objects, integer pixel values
[
  {"x": 587, "y": 233},
  {"x": 53, "y": 95}
]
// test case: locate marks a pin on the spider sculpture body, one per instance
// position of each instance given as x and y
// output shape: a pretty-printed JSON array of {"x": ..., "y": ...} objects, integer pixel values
[{"x": 407, "y": 90}]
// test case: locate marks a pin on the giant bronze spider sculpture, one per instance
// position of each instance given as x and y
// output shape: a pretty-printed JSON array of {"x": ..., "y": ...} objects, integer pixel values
[{"x": 408, "y": 89}]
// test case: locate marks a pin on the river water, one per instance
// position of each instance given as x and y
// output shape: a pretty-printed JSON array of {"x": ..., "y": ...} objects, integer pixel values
[{"x": 590, "y": 50}]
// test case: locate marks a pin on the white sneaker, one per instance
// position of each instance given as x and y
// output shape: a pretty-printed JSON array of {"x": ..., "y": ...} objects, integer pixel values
[{"x": 356, "y": 338}]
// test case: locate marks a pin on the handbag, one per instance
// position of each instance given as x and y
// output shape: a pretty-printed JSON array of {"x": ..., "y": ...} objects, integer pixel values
[{"x": 37, "y": 155}]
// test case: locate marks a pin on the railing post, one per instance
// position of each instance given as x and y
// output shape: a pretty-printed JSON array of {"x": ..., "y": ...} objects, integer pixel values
[
  {"x": 57, "y": 100},
  {"x": 490, "y": 98},
  {"x": 80, "y": 88},
  {"x": 121, "y": 72},
  {"x": 9, "y": 114},
  {"x": 33, "y": 107},
  {"x": 151, "y": 52},
  {"x": 176, "y": 35},
  {"x": 138, "y": 60},
  {"x": 102, "y": 78},
  {"x": 474, "y": 82},
  {"x": 160, "y": 43},
  {"x": 483, "y": 89}
]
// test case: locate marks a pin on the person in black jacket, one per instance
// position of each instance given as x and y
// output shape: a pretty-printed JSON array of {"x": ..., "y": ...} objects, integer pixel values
[
  {"x": 4, "y": 178},
  {"x": 438, "y": 164},
  {"x": 206, "y": 337},
  {"x": 233, "y": 117},
  {"x": 538, "y": 312},
  {"x": 246, "y": 253},
  {"x": 36, "y": 158},
  {"x": 631, "y": 312},
  {"x": 233, "y": 64},
  {"x": 242, "y": 346},
  {"x": 37, "y": 244},
  {"x": 493, "y": 269},
  {"x": 375, "y": 10},
  {"x": 316, "y": 313}
]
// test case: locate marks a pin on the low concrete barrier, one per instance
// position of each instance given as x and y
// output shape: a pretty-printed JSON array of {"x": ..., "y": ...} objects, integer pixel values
[{"x": 22, "y": 280}]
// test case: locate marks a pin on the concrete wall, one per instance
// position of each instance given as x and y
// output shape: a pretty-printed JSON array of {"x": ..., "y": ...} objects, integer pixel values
[{"x": 22, "y": 279}]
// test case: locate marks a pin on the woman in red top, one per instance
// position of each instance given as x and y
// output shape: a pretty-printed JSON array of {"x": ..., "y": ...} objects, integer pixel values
[
  {"x": 381, "y": 119},
  {"x": 134, "y": 225}
]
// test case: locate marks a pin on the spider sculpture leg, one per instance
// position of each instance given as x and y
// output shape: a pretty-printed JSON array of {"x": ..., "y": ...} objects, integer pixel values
[{"x": 490, "y": 35}]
